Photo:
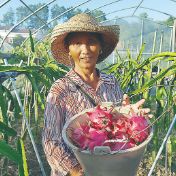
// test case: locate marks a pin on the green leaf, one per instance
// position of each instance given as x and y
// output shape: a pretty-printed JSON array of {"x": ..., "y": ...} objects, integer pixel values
[
  {"x": 118, "y": 56},
  {"x": 35, "y": 86},
  {"x": 131, "y": 60},
  {"x": 140, "y": 53},
  {"x": 32, "y": 42},
  {"x": 133, "y": 71},
  {"x": 47, "y": 71},
  {"x": 41, "y": 78},
  {"x": 23, "y": 170},
  {"x": 153, "y": 81},
  {"x": 171, "y": 59},
  {"x": 3, "y": 106},
  {"x": 9, "y": 152},
  {"x": 106, "y": 63},
  {"x": 9, "y": 96},
  {"x": 128, "y": 53},
  {"x": 7, "y": 130},
  {"x": 114, "y": 67},
  {"x": 158, "y": 58},
  {"x": 16, "y": 68}
]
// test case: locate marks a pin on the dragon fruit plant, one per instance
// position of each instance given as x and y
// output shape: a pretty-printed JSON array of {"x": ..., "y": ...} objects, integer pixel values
[{"x": 105, "y": 125}]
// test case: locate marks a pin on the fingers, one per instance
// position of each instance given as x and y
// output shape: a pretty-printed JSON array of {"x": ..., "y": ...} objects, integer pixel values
[
  {"x": 145, "y": 110},
  {"x": 150, "y": 116},
  {"x": 136, "y": 106},
  {"x": 125, "y": 100},
  {"x": 139, "y": 103}
]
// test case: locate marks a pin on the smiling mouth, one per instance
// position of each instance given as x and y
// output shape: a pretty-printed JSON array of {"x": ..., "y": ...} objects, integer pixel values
[{"x": 87, "y": 58}]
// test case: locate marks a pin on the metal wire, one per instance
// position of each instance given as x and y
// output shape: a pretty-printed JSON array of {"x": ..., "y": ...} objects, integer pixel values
[
  {"x": 127, "y": 140},
  {"x": 162, "y": 146},
  {"x": 115, "y": 11},
  {"x": 134, "y": 16},
  {"x": 46, "y": 24},
  {"x": 103, "y": 6},
  {"x": 4, "y": 3},
  {"x": 36, "y": 14},
  {"x": 23, "y": 21},
  {"x": 134, "y": 7},
  {"x": 56, "y": 18},
  {"x": 137, "y": 7}
]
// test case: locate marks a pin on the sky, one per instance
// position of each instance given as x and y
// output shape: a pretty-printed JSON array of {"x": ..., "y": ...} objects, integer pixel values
[{"x": 166, "y": 6}]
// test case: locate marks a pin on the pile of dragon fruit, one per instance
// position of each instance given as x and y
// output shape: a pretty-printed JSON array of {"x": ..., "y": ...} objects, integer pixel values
[{"x": 104, "y": 125}]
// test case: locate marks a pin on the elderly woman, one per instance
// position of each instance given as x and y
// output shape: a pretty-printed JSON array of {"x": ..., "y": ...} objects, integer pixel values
[{"x": 80, "y": 43}]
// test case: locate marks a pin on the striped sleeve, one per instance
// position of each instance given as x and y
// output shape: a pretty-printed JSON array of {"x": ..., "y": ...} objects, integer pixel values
[
  {"x": 59, "y": 156},
  {"x": 118, "y": 92}
]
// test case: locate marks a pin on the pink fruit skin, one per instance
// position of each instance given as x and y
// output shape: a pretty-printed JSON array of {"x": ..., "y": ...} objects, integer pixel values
[
  {"x": 104, "y": 127},
  {"x": 96, "y": 137},
  {"x": 100, "y": 118},
  {"x": 79, "y": 135},
  {"x": 137, "y": 124}
]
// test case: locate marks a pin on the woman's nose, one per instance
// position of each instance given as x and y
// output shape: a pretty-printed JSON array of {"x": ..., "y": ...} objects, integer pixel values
[{"x": 85, "y": 48}]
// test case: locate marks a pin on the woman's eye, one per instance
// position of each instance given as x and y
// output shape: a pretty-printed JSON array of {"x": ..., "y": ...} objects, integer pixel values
[
  {"x": 76, "y": 43},
  {"x": 91, "y": 41}
]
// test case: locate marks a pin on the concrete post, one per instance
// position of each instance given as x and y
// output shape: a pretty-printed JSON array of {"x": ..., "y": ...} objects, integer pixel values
[{"x": 174, "y": 35}]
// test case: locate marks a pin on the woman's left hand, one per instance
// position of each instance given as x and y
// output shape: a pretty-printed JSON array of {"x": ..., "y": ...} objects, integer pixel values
[{"x": 136, "y": 106}]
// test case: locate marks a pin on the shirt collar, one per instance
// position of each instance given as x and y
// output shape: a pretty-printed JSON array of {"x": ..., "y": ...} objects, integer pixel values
[
  {"x": 76, "y": 78},
  {"x": 108, "y": 79}
]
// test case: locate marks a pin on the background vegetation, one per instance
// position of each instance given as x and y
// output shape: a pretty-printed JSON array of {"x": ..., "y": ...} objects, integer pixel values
[{"x": 140, "y": 75}]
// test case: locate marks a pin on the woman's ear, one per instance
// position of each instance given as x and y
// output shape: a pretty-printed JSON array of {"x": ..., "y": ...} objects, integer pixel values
[
  {"x": 69, "y": 55},
  {"x": 100, "y": 49}
]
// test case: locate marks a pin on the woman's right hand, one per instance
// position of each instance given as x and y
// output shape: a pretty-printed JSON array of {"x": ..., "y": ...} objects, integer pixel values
[{"x": 76, "y": 171}]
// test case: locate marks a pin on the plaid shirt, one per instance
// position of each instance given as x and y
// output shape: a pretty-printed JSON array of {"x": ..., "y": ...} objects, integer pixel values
[{"x": 63, "y": 102}]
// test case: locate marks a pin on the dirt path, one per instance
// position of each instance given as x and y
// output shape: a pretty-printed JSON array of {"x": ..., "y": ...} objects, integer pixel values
[{"x": 35, "y": 170}]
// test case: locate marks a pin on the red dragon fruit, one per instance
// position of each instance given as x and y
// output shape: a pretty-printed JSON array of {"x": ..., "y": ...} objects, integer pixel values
[
  {"x": 101, "y": 118},
  {"x": 120, "y": 127},
  {"x": 96, "y": 137},
  {"x": 87, "y": 138},
  {"x": 79, "y": 135},
  {"x": 137, "y": 124},
  {"x": 105, "y": 125},
  {"x": 114, "y": 146}
]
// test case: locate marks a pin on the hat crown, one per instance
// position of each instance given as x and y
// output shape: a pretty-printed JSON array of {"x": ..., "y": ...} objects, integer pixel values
[
  {"x": 82, "y": 23},
  {"x": 84, "y": 19}
]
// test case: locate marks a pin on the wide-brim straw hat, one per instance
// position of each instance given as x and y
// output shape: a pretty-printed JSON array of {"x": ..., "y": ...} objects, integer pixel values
[{"x": 82, "y": 23}]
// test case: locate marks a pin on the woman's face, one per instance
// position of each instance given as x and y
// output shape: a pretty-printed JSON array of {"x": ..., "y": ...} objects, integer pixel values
[{"x": 84, "y": 48}]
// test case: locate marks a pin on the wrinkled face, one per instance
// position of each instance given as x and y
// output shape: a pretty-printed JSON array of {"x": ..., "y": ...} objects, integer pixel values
[{"x": 84, "y": 48}]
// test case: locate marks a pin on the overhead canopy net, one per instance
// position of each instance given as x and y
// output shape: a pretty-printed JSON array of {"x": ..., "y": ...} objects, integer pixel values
[
  {"x": 144, "y": 24},
  {"x": 140, "y": 21}
]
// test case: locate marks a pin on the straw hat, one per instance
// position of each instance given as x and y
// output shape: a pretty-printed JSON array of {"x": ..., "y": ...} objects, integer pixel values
[{"x": 82, "y": 23}]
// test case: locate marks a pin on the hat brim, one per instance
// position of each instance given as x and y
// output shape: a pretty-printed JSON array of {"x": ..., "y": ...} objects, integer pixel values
[{"x": 59, "y": 48}]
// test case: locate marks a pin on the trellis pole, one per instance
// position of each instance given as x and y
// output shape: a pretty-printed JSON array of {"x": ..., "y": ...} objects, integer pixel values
[
  {"x": 153, "y": 52},
  {"x": 142, "y": 25},
  {"x": 174, "y": 35},
  {"x": 170, "y": 45},
  {"x": 162, "y": 146},
  {"x": 160, "y": 51},
  {"x": 29, "y": 130}
]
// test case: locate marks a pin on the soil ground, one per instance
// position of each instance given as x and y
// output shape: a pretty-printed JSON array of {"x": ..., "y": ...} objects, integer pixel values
[{"x": 34, "y": 168}]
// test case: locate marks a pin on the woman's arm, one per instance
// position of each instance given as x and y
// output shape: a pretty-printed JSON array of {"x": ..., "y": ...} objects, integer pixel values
[
  {"x": 60, "y": 157},
  {"x": 76, "y": 171},
  {"x": 136, "y": 106}
]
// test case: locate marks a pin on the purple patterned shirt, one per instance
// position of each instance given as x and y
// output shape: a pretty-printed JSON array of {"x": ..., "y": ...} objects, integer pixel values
[{"x": 63, "y": 102}]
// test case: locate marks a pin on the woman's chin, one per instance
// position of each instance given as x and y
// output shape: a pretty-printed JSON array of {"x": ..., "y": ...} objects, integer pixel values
[{"x": 87, "y": 64}]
